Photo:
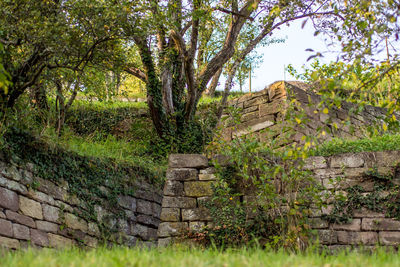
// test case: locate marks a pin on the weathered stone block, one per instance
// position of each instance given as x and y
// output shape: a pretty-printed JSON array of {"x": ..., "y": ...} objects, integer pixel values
[
  {"x": 198, "y": 214},
  {"x": 51, "y": 213},
  {"x": 198, "y": 188},
  {"x": 90, "y": 241},
  {"x": 21, "y": 232},
  {"x": 249, "y": 116},
  {"x": 173, "y": 188},
  {"x": 170, "y": 215},
  {"x": 21, "y": 219},
  {"x": 272, "y": 108},
  {"x": 357, "y": 238},
  {"x": 384, "y": 224},
  {"x": 327, "y": 173},
  {"x": 250, "y": 109},
  {"x": 13, "y": 185},
  {"x": 181, "y": 174},
  {"x": 255, "y": 101},
  {"x": 93, "y": 229},
  {"x": 327, "y": 237},
  {"x": 166, "y": 229},
  {"x": 140, "y": 230},
  {"x": 57, "y": 241},
  {"x": 179, "y": 202},
  {"x": 389, "y": 238},
  {"x": 148, "y": 220},
  {"x": 164, "y": 242},
  {"x": 127, "y": 202},
  {"x": 254, "y": 126},
  {"x": 30, "y": 208},
  {"x": 144, "y": 207},
  {"x": 209, "y": 170},
  {"x": 75, "y": 223},
  {"x": 9, "y": 243},
  {"x": 39, "y": 238},
  {"x": 354, "y": 225},
  {"x": 156, "y": 209},
  {"x": 207, "y": 177},
  {"x": 9, "y": 199},
  {"x": 315, "y": 163},
  {"x": 47, "y": 226},
  {"x": 365, "y": 213},
  {"x": 2, "y": 215},
  {"x": 6, "y": 228},
  {"x": 187, "y": 161},
  {"x": 318, "y": 223},
  {"x": 196, "y": 226},
  {"x": 350, "y": 161},
  {"x": 42, "y": 197},
  {"x": 51, "y": 189},
  {"x": 387, "y": 158}
]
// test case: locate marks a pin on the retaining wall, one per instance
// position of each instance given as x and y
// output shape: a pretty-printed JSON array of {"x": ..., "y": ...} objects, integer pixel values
[
  {"x": 37, "y": 212},
  {"x": 189, "y": 180}
]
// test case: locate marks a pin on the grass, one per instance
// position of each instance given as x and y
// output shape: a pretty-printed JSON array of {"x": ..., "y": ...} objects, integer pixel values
[
  {"x": 378, "y": 143},
  {"x": 195, "y": 257}
]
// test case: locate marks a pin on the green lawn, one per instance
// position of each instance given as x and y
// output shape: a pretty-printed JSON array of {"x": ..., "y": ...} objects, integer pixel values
[{"x": 194, "y": 258}]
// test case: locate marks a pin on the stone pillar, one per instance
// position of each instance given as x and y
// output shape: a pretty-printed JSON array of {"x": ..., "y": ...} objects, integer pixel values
[{"x": 188, "y": 183}]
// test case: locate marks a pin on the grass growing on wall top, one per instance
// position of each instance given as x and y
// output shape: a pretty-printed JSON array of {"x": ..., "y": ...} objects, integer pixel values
[
  {"x": 195, "y": 257},
  {"x": 378, "y": 143}
]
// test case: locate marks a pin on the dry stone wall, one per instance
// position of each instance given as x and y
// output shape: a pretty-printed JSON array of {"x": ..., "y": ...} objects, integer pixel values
[
  {"x": 37, "y": 212},
  {"x": 265, "y": 109},
  {"x": 189, "y": 180}
]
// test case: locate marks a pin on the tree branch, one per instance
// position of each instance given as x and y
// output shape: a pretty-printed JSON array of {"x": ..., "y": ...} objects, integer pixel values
[{"x": 138, "y": 73}]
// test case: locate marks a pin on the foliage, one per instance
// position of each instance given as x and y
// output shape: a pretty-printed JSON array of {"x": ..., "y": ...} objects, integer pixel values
[
  {"x": 183, "y": 256},
  {"x": 384, "y": 198}
]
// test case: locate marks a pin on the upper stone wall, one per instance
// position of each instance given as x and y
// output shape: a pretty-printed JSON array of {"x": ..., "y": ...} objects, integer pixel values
[{"x": 265, "y": 109}]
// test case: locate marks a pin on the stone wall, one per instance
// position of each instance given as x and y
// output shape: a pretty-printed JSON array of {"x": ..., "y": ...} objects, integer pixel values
[
  {"x": 264, "y": 109},
  {"x": 189, "y": 180},
  {"x": 37, "y": 212}
]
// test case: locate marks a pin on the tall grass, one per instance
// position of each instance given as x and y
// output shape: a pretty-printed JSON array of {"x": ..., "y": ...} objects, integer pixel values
[{"x": 196, "y": 258}]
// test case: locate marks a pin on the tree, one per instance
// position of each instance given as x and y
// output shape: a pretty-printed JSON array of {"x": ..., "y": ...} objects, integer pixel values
[{"x": 167, "y": 36}]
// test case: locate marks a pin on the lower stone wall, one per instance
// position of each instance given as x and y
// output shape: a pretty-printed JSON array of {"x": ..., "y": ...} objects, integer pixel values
[
  {"x": 37, "y": 212},
  {"x": 189, "y": 180}
]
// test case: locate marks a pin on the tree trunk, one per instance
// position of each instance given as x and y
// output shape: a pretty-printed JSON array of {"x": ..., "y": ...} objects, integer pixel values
[{"x": 214, "y": 83}]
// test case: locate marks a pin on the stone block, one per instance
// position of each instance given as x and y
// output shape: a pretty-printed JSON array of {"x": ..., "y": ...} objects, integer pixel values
[
  {"x": 179, "y": 202},
  {"x": 144, "y": 207},
  {"x": 250, "y": 109},
  {"x": 318, "y": 223},
  {"x": 198, "y": 188},
  {"x": 355, "y": 172},
  {"x": 327, "y": 173},
  {"x": 198, "y": 214},
  {"x": 350, "y": 161},
  {"x": 41, "y": 197},
  {"x": 93, "y": 229},
  {"x": 254, "y": 126},
  {"x": 9, "y": 243},
  {"x": 140, "y": 230},
  {"x": 156, "y": 209},
  {"x": 9, "y": 199},
  {"x": 127, "y": 202},
  {"x": 21, "y": 219},
  {"x": 2, "y": 215},
  {"x": 173, "y": 188},
  {"x": 21, "y": 232},
  {"x": 196, "y": 226},
  {"x": 75, "y": 222},
  {"x": 13, "y": 185},
  {"x": 90, "y": 241},
  {"x": 207, "y": 177},
  {"x": 272, "y": 108},
  {"x": 47, "y": 226},
  {"x": 170, "y": 215},
  {"x": 51, "y": 189},
  {"x": 39, "y": 238},
  {"x": 365, "y": 213},
  {"x": 187, "y": 161},
  {"x": 255, "y": 101},
  {"x": 6, "y": 228},
  {"x": 389, "y": 238},
  {"x": 387, "y": 158},
  {"x": 354, "y": 225},
  {"x": 209, "y": 170},
  {"x": 181, "y": 174},
  {"x": 148, "y": 220},
  {"x": 357, "y": 238},
  {"x": 313, "y": 163},
  {"x": 51, "y": 213},
  {"x": 57, "y": 241},
  {"x": 30, "y": 208},
  {"x": 249, "y": 116},
  {"x": 384, "y": 224},
  {"x": 11, "y": 172},
  {"x": 167, "y": 229},
  {"x": 327, "y": 237}
]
